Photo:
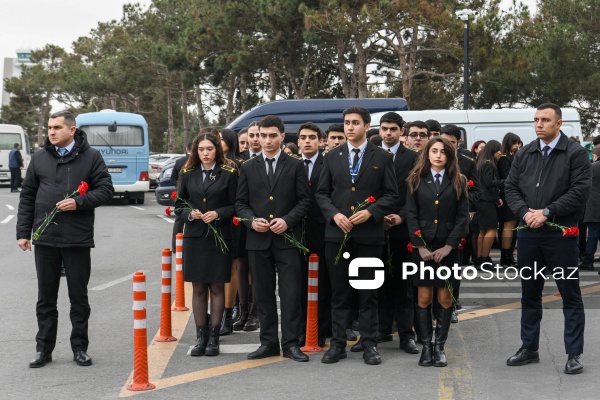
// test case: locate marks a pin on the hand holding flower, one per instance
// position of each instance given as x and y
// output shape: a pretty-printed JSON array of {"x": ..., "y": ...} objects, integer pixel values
[
  {"x": 343, "y": 222},
  {"x": 425, "y": 253},
  {"x": 441, "y": 253},
  {"x": 208, "y": 216},
  {"x": 360, "y": 217},
  {"x": 278, "y": 226},
  {"x": 67, "y": 205},
  {"x": 260, "y": 225}
]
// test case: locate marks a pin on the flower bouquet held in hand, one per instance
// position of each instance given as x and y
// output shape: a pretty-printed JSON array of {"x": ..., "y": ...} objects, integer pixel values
[
  {"x": 360, "y": 206},
  {"x": 287, "y": 236},
  {"x": 566, "y": 231},
  {"x": 81, "y": 190},
  {"x": 216, "y": 233}
]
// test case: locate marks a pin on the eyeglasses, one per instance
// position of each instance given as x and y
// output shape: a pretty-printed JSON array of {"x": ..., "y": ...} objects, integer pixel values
[{"x": 421, "y": 135}]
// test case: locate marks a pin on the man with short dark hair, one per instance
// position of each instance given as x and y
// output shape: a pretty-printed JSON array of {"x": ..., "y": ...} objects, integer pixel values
[
  {"x": 547, "y": 188},
  {"x": 53, "y": 175},
  {"x": 596, "y": 141},
  {"x": 254, "y": 148},
  {"x": 15, "y": 164},
  {"x": 434, "y": 127},
  {"x": 273, "y": 198},
  {"x": 335, "y": 136},
  {"x": 416, "y": 134}
]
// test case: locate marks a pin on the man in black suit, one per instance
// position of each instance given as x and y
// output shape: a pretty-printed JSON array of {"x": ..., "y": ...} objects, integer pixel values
[
  {"x": 351, "y": 174},
  {"x": 179, "y": 223},
  {"x": 273, "y": 197},
  {"x": 309, "y": 135},
  {"x": 335, "y": 136},
  {"x": 549, "y": 182},
  {"x": 254, "y": 147},
  {"x": 592, "y": 216},
  {"x": 467, "y": 167},
  {"x": 395, "y": 297}
]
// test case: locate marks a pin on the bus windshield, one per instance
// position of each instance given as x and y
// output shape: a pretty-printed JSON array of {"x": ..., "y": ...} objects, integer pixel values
[
  {"x": 8, "y": 140},
  {"x": 126, "y": 135}
]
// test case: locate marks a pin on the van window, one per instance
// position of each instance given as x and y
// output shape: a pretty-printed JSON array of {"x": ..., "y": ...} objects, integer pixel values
[
  {"x": 525, "y": 131},
  {"x": 8, "y": 140},
  {"x": 126, "y": 135}
]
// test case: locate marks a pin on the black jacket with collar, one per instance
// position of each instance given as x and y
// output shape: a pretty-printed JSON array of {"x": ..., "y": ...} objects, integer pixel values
[
  {"x": 440, "y": 216},
  {"x": 403, "y": 164},
  {"x": 337, "y": 194},
  {"x": 467, "y": 167},
  {"x": 314, "y": 232},
  {"x": 289, "y": 199},
  {"x": 562, "y": 185},
  {"x": 49, "y": 179},
  {"x": 216, "y": 193},
  {"x": 592, "y": 210},
  {"x": 490, "y": 182}
]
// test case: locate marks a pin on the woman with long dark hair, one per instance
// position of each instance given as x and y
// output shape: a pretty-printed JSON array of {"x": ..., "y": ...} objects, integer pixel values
[
  {"x": 507, "y": 219},
  {"x": 208, "y": 186},
  {"x": 489, "y": 184},
  {"x": 437, "y": 216},
  {"x": 477, "y": 147}
]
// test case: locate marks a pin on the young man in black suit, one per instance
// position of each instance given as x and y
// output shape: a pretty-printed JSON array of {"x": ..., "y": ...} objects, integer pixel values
[
  {"x": 396, "y": 294},
  {"x": 273, "y": 197},
  {"x": 254, "y": 147},
  {"x": 351, "y": 174},
  {"x": 309, "y": 135}
]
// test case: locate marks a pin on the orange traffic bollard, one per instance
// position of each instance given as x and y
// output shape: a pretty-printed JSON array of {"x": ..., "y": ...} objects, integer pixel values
[
  {"x": 140, "y": 336},
  {"x": 165, "y": 306},
  {"x": 179, "y": 285},
  {"x": 312, "y": 308}
]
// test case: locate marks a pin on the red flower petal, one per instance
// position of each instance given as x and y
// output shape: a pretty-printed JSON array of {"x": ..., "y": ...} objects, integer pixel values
[
  {"x": 409, "y": 246},
  {"x": 418, "y": 233},
  {"x": 168, "y": 211},
  {"x": 236, "y": 221},
  {"x": 463, "y": 241},
  {"x": 82, "y": 188},
  {"x": 470, "y": 183},
  {"x": 371, "y": 199},
  {"x": 173, "y": 195}
]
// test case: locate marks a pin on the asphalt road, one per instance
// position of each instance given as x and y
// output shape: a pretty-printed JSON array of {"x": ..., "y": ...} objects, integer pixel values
[{"x": 131, "y": 238}]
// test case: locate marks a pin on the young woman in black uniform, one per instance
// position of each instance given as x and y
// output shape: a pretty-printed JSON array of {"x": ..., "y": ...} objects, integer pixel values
[
  {"x": 208, "y": 185},
  {"x": 437, "y": 217}
]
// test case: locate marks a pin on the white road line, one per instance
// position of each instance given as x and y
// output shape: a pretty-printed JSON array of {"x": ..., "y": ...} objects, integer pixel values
[
  {"x": 169, "y": 220},
  {"x": 10, "y": 207},
  {"x": 234, "y": 348},
  {"x": 138, "y": 208},
  {"x": 112, "y": 283},
  {"x": 7, "y": 219}
]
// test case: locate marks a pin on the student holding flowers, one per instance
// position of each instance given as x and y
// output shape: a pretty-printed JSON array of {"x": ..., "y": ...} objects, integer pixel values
[{"x": 205, "y": 202}]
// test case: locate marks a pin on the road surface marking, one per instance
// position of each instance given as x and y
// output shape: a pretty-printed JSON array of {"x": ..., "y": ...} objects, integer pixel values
[
  {"x": 7, "y": 219},
  {"x": 169, "y": 220},
  {"x": 138, "y": 208},
  {"x": 10, "y": 207},
  {"x": 115, "y": 282}
]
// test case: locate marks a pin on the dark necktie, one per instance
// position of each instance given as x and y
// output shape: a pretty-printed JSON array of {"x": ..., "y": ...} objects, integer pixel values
[
  {"x": 271, "y": 175},
  {"x": 253, "y": 155},
  {"x": 307, "y": 167},
  {"x": 207, "y": 173},
  {"x": 356, "y": 158},
  {"x": 438, "y": 183},
  {"x": 546, "y": 149},
  {"x": 62, "y": 152}
]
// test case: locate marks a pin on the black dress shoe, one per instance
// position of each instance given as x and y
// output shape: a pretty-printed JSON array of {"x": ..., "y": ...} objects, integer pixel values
[
  {"x": 350, "y": 335},
  {"x": 574, "y": 364},
  {"x": 586, "y": 267},
  {"x": 409, "y": 346},
  {"x": 357, "y": 347},
  {"x": 82, "y": 358},
  {"x": 40, "y": 359},
  {"x": 522, "y": 357},
  {"x": 295, "y": 354},
  {"x": 264, "y": 352},
  {"x": 458, "y": 305},
  {"x": 371, "y": 356},
  {"x": 382, "y": 337},
  {"x": 334, "y": 355}
]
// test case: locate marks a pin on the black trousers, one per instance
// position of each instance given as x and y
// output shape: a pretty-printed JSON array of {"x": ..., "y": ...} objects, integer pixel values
[
  {"x": 15, "y": 178},
  {"x": 341, "y": 310},
  {"x": 177, "y": 228},
  {"x": 262, "y": 266},
  {"x": 557, "y": 254},
  {"x": 395, "y": 296},
  {"x": 324, "y": 295},
  {"x": 48, "y": 261}
]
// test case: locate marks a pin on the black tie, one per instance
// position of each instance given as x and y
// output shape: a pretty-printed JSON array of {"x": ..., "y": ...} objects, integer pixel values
[
  {"x": 271, "y": 175},
  {"x": 207, "y": 174},
  {"x": 253, "y": 155},
  {"x": 546, "y": 149},
  {"x": 438, "y": 183},
  {"x": 307, "y": 167},
  {"x": 356, "y": 158}
]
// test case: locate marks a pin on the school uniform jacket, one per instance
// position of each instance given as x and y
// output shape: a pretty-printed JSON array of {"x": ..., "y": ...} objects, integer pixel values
[
  {"x": 289, "y": 199},
  {"x": 216, "y": 194},
  {"x": 403, "y": 164},
  {"x": 442, "y": 217},
  {"x": 314, "y": 221},
  {"x": 336, "y": 193}
]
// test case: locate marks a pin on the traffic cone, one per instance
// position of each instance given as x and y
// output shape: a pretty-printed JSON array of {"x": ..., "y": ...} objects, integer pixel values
[
  {"x": 312, "y": 307},
  {"x": 179, "y": 285},
  {"x": 165, "y": 307}
]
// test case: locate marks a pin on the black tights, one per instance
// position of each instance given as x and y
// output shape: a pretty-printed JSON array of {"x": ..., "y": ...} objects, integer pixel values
[
  {"x": 244, "y": 280},
  {"x": 200, "y": 303}
]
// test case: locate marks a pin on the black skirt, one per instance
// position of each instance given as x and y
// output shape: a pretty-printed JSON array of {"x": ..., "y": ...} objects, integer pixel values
[
  {"x": 486, "y": 215},
  {"x": 505, "y": 214},
  {"x": 204, "y": 262},
  {"x": 449, "y": 261}
]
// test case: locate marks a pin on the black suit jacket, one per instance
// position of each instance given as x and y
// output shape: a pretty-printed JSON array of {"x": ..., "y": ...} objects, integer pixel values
[
  {"x": 336, "y": 193},
  {"x": 467, "y": 167},
  {"x": 403, "y": 163},
  {"x": 442, "y": 217},
  {"x": 211, "y": 195},
  {"x": 314, "y": 222},
  {"x": 289, "y": 199},
  {"x": 592, "y": 209},
  {"x": 179, "y": 163}
]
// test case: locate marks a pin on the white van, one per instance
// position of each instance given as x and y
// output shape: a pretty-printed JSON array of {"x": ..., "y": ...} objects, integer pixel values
[
  {"x": 491, "y": 124},
  {"x": 9, "y": 135}
]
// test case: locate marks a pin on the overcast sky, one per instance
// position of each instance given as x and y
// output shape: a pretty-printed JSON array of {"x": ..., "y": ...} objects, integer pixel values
[{"x": 32, "y": 24}]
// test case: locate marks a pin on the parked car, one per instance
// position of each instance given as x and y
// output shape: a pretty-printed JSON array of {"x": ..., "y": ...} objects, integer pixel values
[
  {"x": 156, "y": 164},
  {"x": 165, "y": 186}
]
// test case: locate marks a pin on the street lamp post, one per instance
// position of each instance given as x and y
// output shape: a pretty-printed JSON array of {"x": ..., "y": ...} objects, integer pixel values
[
  {"x": 464, "y": 16},
  {"x": 166, "y": 141}
]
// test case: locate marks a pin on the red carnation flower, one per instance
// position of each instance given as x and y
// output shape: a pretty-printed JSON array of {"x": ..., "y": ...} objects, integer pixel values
[
  {"x": 574, "y": 231},
  {"x": 460, "y": 246},
  {"x": 371, "y": 199},
  {"x": 236, "y": 221},
  {"x": 82, "y": 188},
  {"x": 168, "y": 211},
  {"x": 409, "y": 246},
  {"x": 470, "y": 183},
  {"x": 463, "y": 241},
  {"x": 418, "y": 233},
  {"x": 173, "y": 195},
  {"x": 567, "y": 232}
]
